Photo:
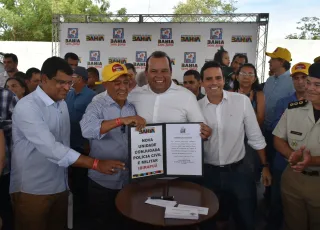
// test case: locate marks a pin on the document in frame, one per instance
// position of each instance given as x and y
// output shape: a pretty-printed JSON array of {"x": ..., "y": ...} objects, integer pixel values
[
  {"x": 184, "y": 148},
  {"x": 147, "y": 147}
]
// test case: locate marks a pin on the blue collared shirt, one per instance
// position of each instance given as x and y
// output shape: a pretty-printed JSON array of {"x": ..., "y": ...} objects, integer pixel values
[
  {"x": 279, "y": 161},
  {"x": 274, "y": 89},
  {"x": 41, "y": 152},
  {"x": 77, "y": 104},
  {"x": 109, "y": 146}
]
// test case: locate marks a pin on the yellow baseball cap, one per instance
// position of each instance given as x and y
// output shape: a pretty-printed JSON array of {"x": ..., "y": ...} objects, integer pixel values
[
  {"x": 282, "y": 53},
  {"x": 301, "y": 67},
  {"x": 317, "y": 59},
  {"x": 112, "y": 71}
]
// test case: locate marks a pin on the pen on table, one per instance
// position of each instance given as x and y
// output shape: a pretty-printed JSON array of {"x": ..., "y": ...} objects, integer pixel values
[{"x": 162, "y": 197}]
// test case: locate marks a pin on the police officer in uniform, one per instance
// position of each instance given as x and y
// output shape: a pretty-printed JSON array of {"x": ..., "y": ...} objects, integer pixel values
[{"x": 297, "y": 137}]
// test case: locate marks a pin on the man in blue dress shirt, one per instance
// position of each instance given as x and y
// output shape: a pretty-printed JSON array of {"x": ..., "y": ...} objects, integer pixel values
[
  {"x": 41, "y": 152},
  {"x": 299, "y": 74},
  {"x": 276, "y": 87},
  {"x": 104, "y": 125},
  {"x": 77, "y": 101}
]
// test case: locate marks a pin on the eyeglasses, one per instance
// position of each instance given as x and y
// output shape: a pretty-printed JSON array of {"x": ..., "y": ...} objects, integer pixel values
[
  {"x": 243, "y": 74},
  {"x": 63, "y": 83}
]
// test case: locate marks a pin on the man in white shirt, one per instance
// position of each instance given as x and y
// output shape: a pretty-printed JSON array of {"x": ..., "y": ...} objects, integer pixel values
[
  {"x": 162, "y": 101},
  {"x": 10, "y": 62},
  {"x": 231, "y": 117}
]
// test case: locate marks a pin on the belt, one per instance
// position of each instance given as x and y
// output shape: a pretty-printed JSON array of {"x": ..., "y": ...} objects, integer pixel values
[
  {"x": 311, "y": 173},
  {"x": 232, "y": 165}
]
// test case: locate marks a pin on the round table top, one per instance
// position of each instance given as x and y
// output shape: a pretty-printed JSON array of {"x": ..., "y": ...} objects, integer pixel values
[{"x": 130, "y": 201}]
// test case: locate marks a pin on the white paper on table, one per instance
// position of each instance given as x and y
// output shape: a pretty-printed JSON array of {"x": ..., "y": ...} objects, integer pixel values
[
  {"x": 161, "y": 203},
  {"x": 181, "y": 213},
  {"x": 184, "y": 149},
  {"x": 201, "y": 210}
]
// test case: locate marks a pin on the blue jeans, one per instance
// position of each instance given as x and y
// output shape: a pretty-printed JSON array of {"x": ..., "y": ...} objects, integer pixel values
[{"x": 236, "y": 190}]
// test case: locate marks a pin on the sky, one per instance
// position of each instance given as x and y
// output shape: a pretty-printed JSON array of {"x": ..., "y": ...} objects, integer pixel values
[{"x": 283, "y": 14}]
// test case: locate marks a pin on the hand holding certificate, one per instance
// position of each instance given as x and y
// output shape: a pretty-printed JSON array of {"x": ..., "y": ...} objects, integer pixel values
[{"x": 166, "y": 150}]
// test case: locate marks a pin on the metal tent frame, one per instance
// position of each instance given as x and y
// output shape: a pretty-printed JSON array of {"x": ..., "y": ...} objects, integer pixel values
[{"x": 262, "y": 19}]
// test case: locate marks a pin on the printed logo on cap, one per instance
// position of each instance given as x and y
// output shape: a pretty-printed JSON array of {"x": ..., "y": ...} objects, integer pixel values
[
  {"x": 241, "y": 38},
  {"x": 73, "y": 37},
  {"x": 117, "y": 68},
  {"x": 300, "y": 66},
  {"x": 165, "y": 37},
  {"x": 216, "y": 38},
  {"x": 190, "y": 61},
  {"x": 94, "y": 59},
  {"x": 141, "y": 59},
  {"x": 118, "y": 37},
  {"x": 95, "y": 37}
]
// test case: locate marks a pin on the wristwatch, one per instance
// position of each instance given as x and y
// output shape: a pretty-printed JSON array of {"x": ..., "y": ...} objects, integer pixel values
[{"x": 266, "y": 165}]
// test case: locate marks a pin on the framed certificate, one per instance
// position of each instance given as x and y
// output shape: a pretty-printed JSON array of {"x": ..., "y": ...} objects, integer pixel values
[{"x": 170, "y": 149}]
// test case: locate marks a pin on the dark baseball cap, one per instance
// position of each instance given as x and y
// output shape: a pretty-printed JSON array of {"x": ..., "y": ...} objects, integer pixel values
[
  {"x": 81, "y": 71},
  {"x": 314, "y": 70}
]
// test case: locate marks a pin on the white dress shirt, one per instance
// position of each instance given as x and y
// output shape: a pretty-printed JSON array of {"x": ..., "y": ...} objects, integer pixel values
[
  {"x": 177, "y": 104},
  {"x": 230, "y": 120}
]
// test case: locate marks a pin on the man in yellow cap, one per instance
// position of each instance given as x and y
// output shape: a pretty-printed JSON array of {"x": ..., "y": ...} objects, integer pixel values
[
  {"x": 104, "y": 124},
  {"x": 317, "y": 60},
  {"x": 299, "y": 74},
  {"x": 276, "y": 87}
]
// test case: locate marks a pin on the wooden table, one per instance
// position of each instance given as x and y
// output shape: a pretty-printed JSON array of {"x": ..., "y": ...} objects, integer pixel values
[{"x": 131, "y": 202}]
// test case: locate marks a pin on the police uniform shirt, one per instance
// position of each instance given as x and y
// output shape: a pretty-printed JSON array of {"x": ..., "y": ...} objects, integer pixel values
[{"x": 298, "y": 127}]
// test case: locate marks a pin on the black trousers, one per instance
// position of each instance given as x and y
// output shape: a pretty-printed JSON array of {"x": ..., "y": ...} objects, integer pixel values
[
  {"x": 103, "y": 212},
  {"x": 5, "y": 203},
  {"x": 78, "y": 182}
]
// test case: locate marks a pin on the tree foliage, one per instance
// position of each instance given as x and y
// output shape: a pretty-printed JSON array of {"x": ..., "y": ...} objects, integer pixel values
[
  {"x": 309, "y": 29},
  {"x": 31, "y": 20},
  {"x": 202, "y": 7}
]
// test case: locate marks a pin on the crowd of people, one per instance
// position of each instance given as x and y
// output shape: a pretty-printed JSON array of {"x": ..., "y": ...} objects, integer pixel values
[{"x": 64, "y": 128}]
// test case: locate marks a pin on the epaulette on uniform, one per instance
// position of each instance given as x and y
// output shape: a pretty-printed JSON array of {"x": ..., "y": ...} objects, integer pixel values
[{"x": 297, "y": 104}]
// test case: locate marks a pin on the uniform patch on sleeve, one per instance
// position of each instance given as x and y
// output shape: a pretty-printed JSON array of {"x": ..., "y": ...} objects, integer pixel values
[{"x": 297, "y": 104}]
